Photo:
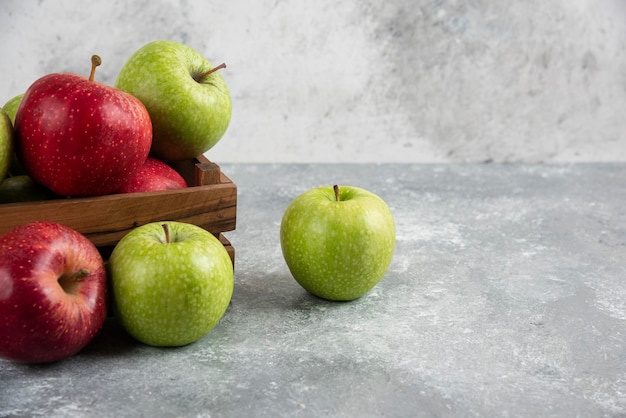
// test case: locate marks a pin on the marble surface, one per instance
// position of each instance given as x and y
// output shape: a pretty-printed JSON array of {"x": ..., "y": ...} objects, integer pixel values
[
  {"x": 364, "y": 80},
  {"x": 506, "y": 297}
]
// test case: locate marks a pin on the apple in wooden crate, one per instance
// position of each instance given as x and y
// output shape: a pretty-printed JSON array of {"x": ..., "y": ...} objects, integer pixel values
[
  {"x": 53, "y": 292},
  {"x": 6, "y": 144},
  {"x": 22, "y": 188},
  {"x": 79, "y": 137},
  {"x": 187, "y": 98},
  {"x": 11, "y": 106},
  {"x": 152, "y": 176}
]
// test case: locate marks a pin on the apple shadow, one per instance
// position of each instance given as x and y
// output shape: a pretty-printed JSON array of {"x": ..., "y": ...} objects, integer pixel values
[
  {"x": 308, "y": 301},
  {"x": 111, "y": 341},
  {"x": 280, "y": 291}
]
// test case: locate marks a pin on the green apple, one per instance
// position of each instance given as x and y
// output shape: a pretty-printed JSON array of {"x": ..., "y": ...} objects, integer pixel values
[
  {"x": 171, "y": 282},
  {"x": 338, "y": 241},
  {"x": 187, "y": 99},
  {"x": 22, "y": 188},
  {"x": 11, "y": 106},
  {"x": 6, "y": 144}
]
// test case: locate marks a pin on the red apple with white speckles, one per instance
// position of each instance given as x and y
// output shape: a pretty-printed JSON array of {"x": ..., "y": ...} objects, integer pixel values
[
  {"x": 53, "y": 292},
  {"x": 153, "y": 175},
  {"x": 79, "y": 137}
]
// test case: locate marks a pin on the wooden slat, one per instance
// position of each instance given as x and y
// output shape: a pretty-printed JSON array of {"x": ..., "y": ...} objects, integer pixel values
[
  {"x": 229, "y": 248},
  {"x": 207, "y": 173},
  {"x": 106, "y": 219}
]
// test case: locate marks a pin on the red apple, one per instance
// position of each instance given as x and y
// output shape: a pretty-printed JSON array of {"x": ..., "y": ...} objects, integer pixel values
[
  {"x": 152, "y": 176},
  {"x": 53, "y": 292},
  {"x": 79, "y": 137}
]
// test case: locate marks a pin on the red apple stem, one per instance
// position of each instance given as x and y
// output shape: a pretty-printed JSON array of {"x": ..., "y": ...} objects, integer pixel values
[
  {"x": 212, "y": 70},
  {"x": 67, "y": 281},
  {"x": 336, "y": 189},
  {"x": 166, "y": 229},
  {"x": 78, "y": 275},
  {"x": 95, "y": 62}
]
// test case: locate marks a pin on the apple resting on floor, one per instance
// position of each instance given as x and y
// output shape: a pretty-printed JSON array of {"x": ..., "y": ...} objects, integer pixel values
[
  {"x": 338, "y": 241},
  {"x": 53, "y": 292},
  {"x": 172, "y": 282}
]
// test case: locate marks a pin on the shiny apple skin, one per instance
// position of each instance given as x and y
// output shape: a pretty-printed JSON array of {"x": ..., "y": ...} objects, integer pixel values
[
  {"x": 79, "y": 137},
  {"x": 41, "y": 320},
  {"x": 154, "y": 175}
]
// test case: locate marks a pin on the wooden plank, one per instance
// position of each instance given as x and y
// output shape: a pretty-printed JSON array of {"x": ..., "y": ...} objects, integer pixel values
[
  {"x": 106, "y": 219},
  {"x": 229, "y": 248},
  {"x": 207, "y": 173}
]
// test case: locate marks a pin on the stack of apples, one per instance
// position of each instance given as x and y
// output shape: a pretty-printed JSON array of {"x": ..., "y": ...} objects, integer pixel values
[
  {"x": 78, "y": 137},
  {"x": 69, "y": 135}
]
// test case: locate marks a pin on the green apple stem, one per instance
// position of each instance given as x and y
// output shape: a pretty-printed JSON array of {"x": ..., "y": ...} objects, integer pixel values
[
  {"x": 212, "y": 70},
  {"x": 95, "y": 61},
  {"x": 166, "y": 229},
  {"x": 336, "y": 189}
]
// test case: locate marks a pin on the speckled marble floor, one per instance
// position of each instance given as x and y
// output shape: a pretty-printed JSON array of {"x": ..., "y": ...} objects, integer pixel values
[{"x": 506, "y": 297}]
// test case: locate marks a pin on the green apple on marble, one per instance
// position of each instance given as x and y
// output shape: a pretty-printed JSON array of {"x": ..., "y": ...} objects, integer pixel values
[
  {"x": 187, "y": 98},
  {"x": 6, "y": 144},
  {"x": 338, "y": 241},
  {"x": 171, "y": 282}
]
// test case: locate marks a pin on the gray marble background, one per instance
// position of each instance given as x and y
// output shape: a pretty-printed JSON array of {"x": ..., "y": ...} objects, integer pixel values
[{"x": 365, "y": 81}]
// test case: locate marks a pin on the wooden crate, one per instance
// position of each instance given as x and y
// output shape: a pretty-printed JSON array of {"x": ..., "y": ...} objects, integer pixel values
[{"x": 210, "y": 202}]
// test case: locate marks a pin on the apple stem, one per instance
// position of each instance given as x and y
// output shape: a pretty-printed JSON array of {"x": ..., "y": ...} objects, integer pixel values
[
  {"x": 95, "y": 61},
  {"x": 336, "y": 189},
  {"x": 77, "y": 276},
  {"x": 166, "y": 229},
  {"x": 212, "y": 70},
  {"x": 67, "y": 281}
]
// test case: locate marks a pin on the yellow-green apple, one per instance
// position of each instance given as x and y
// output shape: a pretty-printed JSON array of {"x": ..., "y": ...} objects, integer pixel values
[
  {"x": 153, "y": 175},
  {"x": 11, "y": 108},
  {"x": 338, "y": 242},
  {"x": 53, "y": 292},
  {"x": 79, "y": 137},
  {"x": 188, "y": 100},
  {"x": 172, "y": 282},
  {"x": 6, "y": 144},
  {"x": 22, "y": 188}
]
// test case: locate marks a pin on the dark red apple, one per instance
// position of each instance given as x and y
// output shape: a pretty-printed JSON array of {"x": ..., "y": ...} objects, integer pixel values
[
  {"x": 53, "y": 292},
  {"x": 152, "y": 176},
  {"x": 79, "y": 137}
]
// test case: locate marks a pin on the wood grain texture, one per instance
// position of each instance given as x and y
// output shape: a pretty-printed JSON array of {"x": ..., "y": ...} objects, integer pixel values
[{"x": 106, "y": 219}]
